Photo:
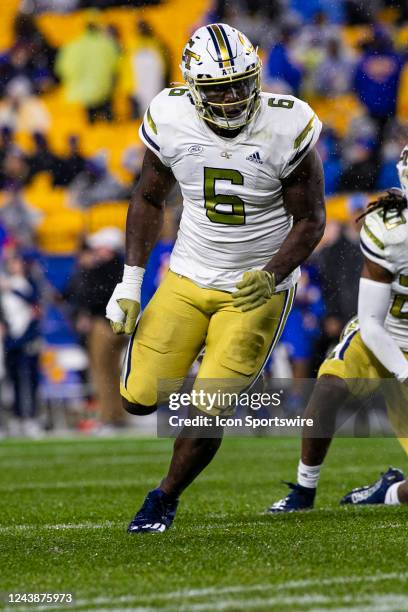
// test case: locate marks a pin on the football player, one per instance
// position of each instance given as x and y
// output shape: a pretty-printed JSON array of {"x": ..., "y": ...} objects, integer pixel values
[
  {"x": 252, "y": 186},
  {"x": 373, "y": 347}
]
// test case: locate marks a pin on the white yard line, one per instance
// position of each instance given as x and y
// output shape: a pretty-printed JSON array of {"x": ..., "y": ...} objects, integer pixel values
[
  {"x": 77, "y": 484},
  {"x": 61, "y": 526},
  {"x": 371, "y": 602},
  {"x": 236, "y": 589},
  {"x": 51, "y": 462},
  {"x": 375, "y": 603}
]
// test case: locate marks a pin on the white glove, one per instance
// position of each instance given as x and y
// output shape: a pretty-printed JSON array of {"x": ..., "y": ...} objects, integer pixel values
[{"x": 123, "y": 307}]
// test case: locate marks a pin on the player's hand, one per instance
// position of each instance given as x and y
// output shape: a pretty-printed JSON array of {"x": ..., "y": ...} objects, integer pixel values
[
  {"x": 255, "y": 289},
  {"x": 123, "y": 307}
]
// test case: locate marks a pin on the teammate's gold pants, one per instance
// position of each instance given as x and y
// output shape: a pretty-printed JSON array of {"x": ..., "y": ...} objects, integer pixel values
[
  {"x": 352, "y": 361},
  {"x": 183, "y": 318}
]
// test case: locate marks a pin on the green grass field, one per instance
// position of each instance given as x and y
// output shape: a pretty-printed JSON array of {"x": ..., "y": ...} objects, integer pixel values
[{"x": 65, "y": 506}]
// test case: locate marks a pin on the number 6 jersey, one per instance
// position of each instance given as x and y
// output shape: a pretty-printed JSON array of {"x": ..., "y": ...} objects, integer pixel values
[{"x": 233, "y": 214}]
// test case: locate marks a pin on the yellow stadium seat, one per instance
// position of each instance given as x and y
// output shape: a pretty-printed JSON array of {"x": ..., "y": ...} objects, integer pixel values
[
  {"x": 42, "y": 195},
  {"x": 8, "y": 10},
  {"x": 112, "y": 214},
  {"x": 337, "y": 112},
  {"x": 401, "y": 39},
  {"x": 337, "y": 208},
  {"x": 402, "y": 98},
  {"x": 353, "y": 36},
  {"x": 60, "y": 233}
]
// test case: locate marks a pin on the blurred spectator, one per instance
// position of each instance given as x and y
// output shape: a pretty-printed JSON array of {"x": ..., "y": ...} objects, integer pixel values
[
  {"x": 361, "y": 11},
  {"x": 14, "y": 169},
  {"x": 42, "y": 158},
  {"x": 256, "y": 23},
  {"x": 31, "y": 57},
  {"x": 397, "y": 138},
  {"x": 4, "y": 240},
  {"x": 146, "y": 68},
  {"x": 44, "y": 6},
  {"x": 306, "y": 10},
  {"x": 18, "y": 219},
  {"x": 96, "y": 184},
  {"x": 282, "y": 71},
  {"x": 100, "y": 267},
  {"x": 20, "y": 305},
  {"x": 303, "y": 325},
  {"x": 88, "y": 67},
  {"x": 159, "y": 259},
  {"x": 20, "y": 111},
  {"x": 339, "y": 266},
  {"x": 63, "y": 170},
  {"x": 41, "y": 55},
  {"x": 361, "y": 169},
  {"x": 114, "y": 33},
  {"x": 6, "y": 145},
  {"x": 377, "y": 76},
  {"x": 333, "y": 75},
  {"x": 72, "y": 165},
  {"x": 15, "y": 65},
  {"x": 314, "y": 34},
  {"x": 329, "y": 151},
  {"x": 132, "y": 161},
  {"x": 67, "y": 6},
  {"x": 334, "y": 11},
  {"x": 6, "y": 139}
]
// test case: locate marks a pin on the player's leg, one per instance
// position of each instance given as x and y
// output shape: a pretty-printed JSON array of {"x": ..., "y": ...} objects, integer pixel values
[
  {"x": 350, "y": 361},
  {"x": 191, "y": 454},
  {"x": 237, "y": 346},
  {"x": 391, "y": 488},
  {"x": 329, "y": 394},
  {"x": 239, "y": 343},
  {"x": 168, "y": 338}
]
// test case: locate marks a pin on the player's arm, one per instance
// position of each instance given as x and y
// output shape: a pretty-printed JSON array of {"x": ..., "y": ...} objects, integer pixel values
[
  {"x": 143, "y": 225},
  {"x": 145, "y": 213},
  {"x": 373, "y": 304},
  {"x": 303, "y": 198}
]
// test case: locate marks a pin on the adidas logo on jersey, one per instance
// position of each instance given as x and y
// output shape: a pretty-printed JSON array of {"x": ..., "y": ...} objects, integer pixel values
[{"x": 255, "y": 157}]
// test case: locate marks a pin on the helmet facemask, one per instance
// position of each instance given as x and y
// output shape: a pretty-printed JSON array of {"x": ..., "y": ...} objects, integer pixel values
[{"x": 227, "y": 102}]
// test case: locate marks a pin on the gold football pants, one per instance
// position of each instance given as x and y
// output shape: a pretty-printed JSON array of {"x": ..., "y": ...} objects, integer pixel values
[
  {"x": 182, "y": 319},
  {"x": 352, "y": 361}
]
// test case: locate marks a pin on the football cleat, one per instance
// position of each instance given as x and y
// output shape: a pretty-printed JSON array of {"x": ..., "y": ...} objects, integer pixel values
[
  {"x": 156, "y": 515},
  {"x": 375, "y": 493},
  {"x": 300, "y": 498}
]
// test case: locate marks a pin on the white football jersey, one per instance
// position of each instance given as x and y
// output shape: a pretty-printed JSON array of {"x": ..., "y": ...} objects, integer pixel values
[
  {"x": 233, "y": 215},
  {"x": 386, "y": 243}
]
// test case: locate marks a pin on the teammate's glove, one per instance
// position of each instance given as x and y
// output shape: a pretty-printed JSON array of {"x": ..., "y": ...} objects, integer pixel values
[
  {"x": 255, "y": 289},
  {"x": 123, "y": 307}
]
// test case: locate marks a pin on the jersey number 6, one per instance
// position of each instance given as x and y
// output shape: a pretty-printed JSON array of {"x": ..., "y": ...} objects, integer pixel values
[{"x": 223, "y": 208}]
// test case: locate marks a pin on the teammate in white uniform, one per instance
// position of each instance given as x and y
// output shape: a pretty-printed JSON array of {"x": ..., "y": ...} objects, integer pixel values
[
  {"x": 372, "y": 348},
  {"x": 252, "y": 187}
]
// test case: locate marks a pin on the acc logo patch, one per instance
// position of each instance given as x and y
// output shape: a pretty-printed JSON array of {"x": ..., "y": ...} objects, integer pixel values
[{"x": 195, "y": 149}]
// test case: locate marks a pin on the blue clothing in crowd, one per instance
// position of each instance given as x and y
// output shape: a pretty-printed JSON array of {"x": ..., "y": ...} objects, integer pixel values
[
  {"x": 156, "y": 267},
  {"x": 376, "y": 82},
  {"x": 279, "y": 66}
]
